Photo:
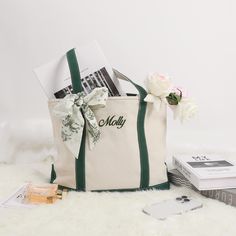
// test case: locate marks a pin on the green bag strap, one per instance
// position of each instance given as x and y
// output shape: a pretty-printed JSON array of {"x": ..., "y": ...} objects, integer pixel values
[
  {"x": 143, "y": 151},
  {"x": 77, "y": 87},
  {"x": 80, "y": 162},
  {"x": 74, "y": 71}
]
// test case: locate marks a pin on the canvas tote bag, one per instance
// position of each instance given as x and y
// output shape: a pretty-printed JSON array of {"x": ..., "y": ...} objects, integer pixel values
[{"x": 130, "y": 154}]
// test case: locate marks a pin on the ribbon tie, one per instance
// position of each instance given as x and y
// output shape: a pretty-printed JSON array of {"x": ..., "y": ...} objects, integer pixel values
[{"x": 73, "y": 110}]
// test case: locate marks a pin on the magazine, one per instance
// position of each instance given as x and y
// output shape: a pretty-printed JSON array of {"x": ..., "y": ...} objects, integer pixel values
[
  {"x": 207, "y": 172},
  {"x": 95, "y": 71}
]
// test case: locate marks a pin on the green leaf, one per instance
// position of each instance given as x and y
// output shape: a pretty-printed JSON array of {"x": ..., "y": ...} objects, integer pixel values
[{"x": 173, "y": 98}]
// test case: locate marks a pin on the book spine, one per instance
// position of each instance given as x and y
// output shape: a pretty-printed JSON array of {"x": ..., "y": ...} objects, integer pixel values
[
  {"x": 179, "y": 180},
  {"x": 221, "y": 195},
  {"x": 186, "y": 172}
]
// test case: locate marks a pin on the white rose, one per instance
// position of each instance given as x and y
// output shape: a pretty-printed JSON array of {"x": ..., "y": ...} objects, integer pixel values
[
  {"x": 185, "y": 109},
  {"x": 159, "y": 85}
]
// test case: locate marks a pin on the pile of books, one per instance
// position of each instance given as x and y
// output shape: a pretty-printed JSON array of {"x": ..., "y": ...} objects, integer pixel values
[{"x": 212, "y": 176}]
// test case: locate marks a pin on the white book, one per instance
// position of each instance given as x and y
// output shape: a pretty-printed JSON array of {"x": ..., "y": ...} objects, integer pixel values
[
  {"x": 95, "y": 71},
  {"x": 207, "y": 172}
]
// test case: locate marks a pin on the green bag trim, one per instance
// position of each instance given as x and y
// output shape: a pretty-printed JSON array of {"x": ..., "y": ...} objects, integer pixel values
[
  {"x": 162, "y": 186},
  {"x": 77, "y": 87},
  {"x": 80, "y": 162},
  {"x": 143, "y": 151},
  {"x": 53, "y": 174},
  {"x": 74, "y": 71}
]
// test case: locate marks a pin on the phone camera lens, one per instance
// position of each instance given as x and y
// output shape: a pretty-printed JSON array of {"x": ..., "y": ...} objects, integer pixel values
[{"x": 186, "y": 199}]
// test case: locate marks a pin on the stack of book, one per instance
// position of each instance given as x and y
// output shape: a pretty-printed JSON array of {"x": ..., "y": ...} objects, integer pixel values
[{"x": 211, "y": 176}]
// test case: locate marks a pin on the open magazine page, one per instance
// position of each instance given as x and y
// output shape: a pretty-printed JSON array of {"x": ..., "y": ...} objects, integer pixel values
[{"x": 95, "y": 72}]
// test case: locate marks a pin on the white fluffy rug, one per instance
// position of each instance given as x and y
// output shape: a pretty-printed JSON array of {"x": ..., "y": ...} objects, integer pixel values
[
  {"x": 25, "y": 158},
  {"x": 106, "y": 213}
]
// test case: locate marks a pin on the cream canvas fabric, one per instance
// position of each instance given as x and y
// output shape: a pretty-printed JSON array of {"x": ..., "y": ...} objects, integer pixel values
[
  {"x": 127, "y": 133},
  {"x": 114, "y": 163}
]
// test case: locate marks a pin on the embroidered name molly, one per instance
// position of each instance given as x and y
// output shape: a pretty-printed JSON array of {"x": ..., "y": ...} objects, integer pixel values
[{"x": 113, "y": 121}]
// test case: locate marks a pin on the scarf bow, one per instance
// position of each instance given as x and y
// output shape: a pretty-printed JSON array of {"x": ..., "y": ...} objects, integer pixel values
[{"x": 73, "y": 110}]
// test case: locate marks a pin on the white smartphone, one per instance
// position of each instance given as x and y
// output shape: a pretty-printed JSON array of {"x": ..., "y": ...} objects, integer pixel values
[{"x": 179, "y": 205}]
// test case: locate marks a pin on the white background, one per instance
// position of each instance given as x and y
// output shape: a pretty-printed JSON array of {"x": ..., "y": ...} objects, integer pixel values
[{"x": 194, "y": 42}]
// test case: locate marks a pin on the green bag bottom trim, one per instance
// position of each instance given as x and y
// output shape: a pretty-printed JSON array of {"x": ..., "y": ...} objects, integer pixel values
[{"x": 162, "y": 186}]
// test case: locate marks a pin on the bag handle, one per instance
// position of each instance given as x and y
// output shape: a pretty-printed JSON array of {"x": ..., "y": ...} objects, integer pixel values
[
  {"x": 76, "y": 78},
  {"x": 77, "y": 87},
  {"x": 143, "y": 151},
  {"x": 74, "y": 71},
  {"x": 141, "y": 90}
]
